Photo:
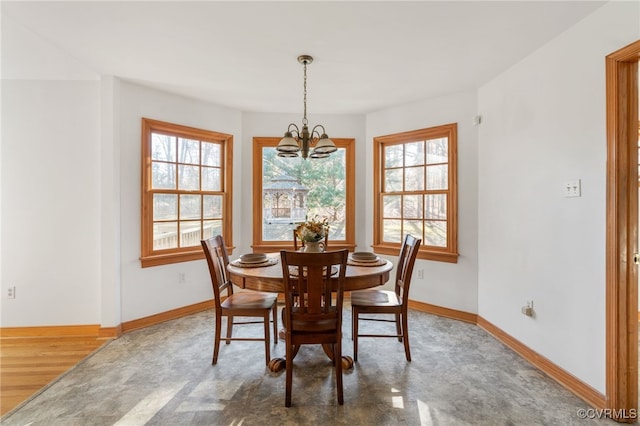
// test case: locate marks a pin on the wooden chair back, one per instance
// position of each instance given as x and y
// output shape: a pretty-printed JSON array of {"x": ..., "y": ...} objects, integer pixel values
[
  {"x": 406, "y": 261},
  {"x": 218, "y": 259}
]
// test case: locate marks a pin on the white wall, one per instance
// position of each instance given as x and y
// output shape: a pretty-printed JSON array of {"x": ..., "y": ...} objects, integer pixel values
[
  {"x": 451, "y": 285},
  {"x": 147, "y": 291},
  {"x": 544, "y": 124},
  {"x": 50, "y": 181}
]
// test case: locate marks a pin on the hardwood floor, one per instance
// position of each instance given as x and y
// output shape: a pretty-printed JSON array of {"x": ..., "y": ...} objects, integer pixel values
[{"x": 27, "y": 364}]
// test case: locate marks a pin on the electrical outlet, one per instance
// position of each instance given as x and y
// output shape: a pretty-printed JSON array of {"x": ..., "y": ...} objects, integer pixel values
[
  {"x": 528, "y": 310},
  {"x": 182, "y": 278},
  {"x": 420, "y": 274},
  {"x": 11, "y": 293}
]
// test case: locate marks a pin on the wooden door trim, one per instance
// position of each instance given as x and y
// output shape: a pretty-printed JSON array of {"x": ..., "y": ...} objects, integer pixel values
[{"x": 622, "y": 233}]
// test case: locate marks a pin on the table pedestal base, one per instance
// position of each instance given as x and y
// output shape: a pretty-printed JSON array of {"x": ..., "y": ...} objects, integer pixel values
[{"x": 279, "y": 364}]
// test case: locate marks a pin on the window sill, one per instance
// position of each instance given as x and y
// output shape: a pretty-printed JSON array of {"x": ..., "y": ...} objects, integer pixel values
[
  {"x": 166, "y": 259},
  {"x": 438, "y": 256}
]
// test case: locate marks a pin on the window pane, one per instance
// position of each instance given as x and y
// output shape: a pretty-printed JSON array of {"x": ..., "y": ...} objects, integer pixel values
[
  {"x": 438, "y": 151},
  {"x": 393, "y": 156},
  {"x": 392, "y": 230},
  {"x": 211, "y": 154},
  {"x": 414, "y": 154},
  {"x": 274, "y": 231},
  {"x": 189, "y": 178},
  {"x": 211, "y": 228},
  {"x": 393, "y": 180},
  {"x": 435, "y": 206},
  {"x": 163, "y": 147},
  {"x": 211, "y": 179},
  {"x": 435, "y": 233},
  {"x": 437, "y": 177},
  {"x": 165, "y": 235},
  {"x": 337, "y": 230},
  {"x": 165, "y": 207},
  {"x": 163, "y": 176},
  {"x": 190, "y": 234},
  {"x": 189, "y": 207},
  {"x": 293, "y": 189},
  {"x": 413, "y": 227},
  {"x": 412, "y": 207},
  {"x": 414, "y": 179},
  {"x": 188, "y": 151},
  {"x": 212, "y": 207},
  {"x": 391, "y": 206}
]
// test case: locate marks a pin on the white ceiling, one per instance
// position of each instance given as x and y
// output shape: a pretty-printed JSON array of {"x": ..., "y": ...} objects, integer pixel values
[{"x": 368, "y": 55}]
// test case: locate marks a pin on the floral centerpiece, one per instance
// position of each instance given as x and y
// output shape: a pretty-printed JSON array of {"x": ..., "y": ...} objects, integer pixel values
[{"x": 312, "y": 230}]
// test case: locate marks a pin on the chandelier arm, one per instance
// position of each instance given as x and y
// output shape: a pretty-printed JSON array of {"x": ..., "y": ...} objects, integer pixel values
[
  {"x": 296, "y": 130},
  {"x": 315, "y": 135}
]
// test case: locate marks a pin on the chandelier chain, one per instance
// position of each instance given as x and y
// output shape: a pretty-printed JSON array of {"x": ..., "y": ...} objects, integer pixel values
[
  {"x": 304, "y": 119},
  {"x": 314, "y": 143}
]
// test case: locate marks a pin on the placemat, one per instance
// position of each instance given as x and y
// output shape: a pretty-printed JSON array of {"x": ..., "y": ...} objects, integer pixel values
[
  {"x": 378, "y": 262},
  {"x": 269, "y": 262}
]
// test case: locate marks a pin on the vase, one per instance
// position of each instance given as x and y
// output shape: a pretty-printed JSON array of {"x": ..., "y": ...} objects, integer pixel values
[{"x": 313, "y": 247}]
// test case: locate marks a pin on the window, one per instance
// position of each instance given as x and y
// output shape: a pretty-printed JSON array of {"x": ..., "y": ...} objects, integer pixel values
[
  {"x": 415, "y": 191},
  {"x": 287, "y": 190},
  {"x": 186, "y": 191}
]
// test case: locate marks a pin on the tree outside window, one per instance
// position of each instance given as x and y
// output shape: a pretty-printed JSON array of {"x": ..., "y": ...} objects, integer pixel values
[{"x": 289, "y": 190}]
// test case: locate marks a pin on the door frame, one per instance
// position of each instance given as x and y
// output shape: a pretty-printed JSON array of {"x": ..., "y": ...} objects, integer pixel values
[{"x": 622, "y": 233}]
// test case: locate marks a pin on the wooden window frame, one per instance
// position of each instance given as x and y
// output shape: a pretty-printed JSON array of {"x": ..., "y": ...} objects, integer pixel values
[
  {"x": 149, "y": 256},
  {"x": 259, "y": 245},
  {"x": 426, "y": 252}
]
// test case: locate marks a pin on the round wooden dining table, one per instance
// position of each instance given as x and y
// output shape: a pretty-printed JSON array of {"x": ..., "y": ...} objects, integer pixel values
[{"x": 269, "y": 278}]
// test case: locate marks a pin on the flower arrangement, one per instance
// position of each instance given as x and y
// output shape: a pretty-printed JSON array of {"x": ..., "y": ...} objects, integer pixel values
[{"x": 312, "y": 230}]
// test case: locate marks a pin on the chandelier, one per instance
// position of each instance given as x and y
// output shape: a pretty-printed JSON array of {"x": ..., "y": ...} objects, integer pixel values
[{"x": 303, "y": 141}]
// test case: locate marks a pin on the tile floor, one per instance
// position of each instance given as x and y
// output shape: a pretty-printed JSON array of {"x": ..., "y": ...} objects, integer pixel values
[{"x": 162, "y": 375}]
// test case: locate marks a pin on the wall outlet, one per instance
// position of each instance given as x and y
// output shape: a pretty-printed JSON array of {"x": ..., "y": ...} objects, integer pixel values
[
  {"x": 182, "y": 278},
  {"x": 572, "y": 188},
  {"x": 420, "y": 273},
  {"x": 11, "y": 292}
]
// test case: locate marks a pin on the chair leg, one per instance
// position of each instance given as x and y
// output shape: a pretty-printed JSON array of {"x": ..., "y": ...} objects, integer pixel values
[
  {"x": 337, "y": 360},
  {"x": 267, "y": 340},
  {"x": 398, "y": 328},
  {"x": 289, "y": 375},
  {"x": 275, "y": 323},
  {"x": 229, "y": 327},
  {"x": 354, "y": 334},
  {"x": 405, "y": 336},
  {"x": 216, "y": 339}
]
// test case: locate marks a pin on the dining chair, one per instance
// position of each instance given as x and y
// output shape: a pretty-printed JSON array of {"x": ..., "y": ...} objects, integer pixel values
[
  {"x": 387, "y": 301},
  {"x": 312, "y": 314},
  {"x": 298, "y": 243},
  {"x": 243, "y": 304}
]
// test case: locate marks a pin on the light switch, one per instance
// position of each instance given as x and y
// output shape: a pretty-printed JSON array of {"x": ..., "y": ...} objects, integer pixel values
[{"x": 572, "y": 188}]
